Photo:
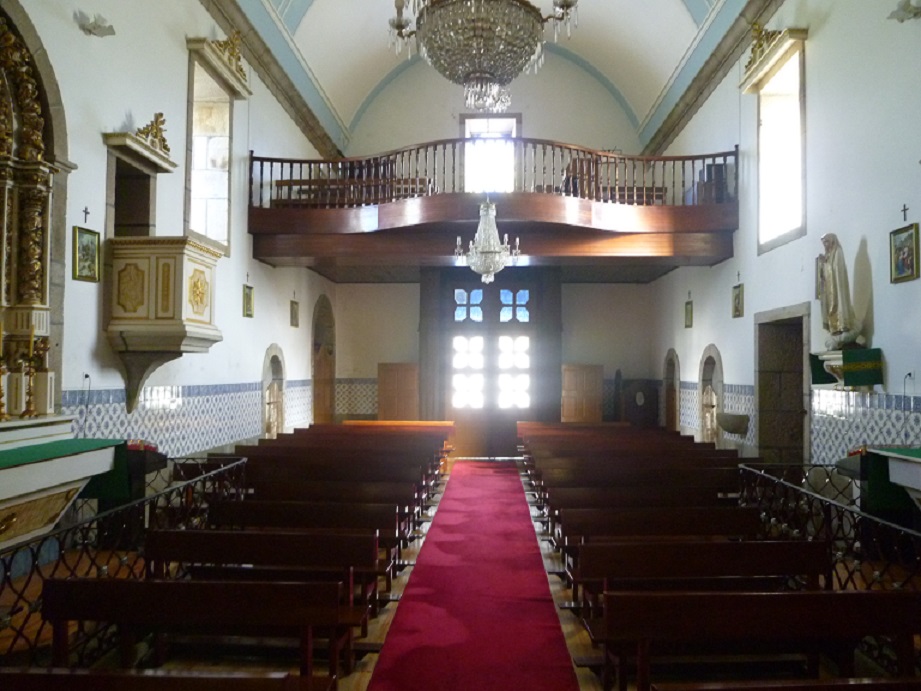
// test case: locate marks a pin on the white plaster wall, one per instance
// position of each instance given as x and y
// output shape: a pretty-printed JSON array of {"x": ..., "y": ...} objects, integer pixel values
[
  {"x": 606, "y": 325},
  {"x": 562, "y": 102},
  {"x": 141, "y": 70},
  {"x": 375, "y": 323},
  {"x": 863, "y": 148}
]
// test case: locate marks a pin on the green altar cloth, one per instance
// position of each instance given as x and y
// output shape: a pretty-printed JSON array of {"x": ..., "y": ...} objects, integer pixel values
[{"x": 36, "y": 453}]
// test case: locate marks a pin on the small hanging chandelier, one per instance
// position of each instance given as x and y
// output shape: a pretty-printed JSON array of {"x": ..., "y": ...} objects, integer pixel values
[
  {"x": 481, "y": 45},
  {"x": 487, "y": 256}
]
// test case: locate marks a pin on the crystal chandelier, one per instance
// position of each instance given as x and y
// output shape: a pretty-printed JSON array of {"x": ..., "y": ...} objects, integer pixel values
[
  {"x": 481, "y": 45},
  {"x": 487, "y": 256}
]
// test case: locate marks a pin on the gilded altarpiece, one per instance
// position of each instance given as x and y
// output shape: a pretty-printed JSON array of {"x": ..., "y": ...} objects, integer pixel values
[{"x": 25, "y": 222}]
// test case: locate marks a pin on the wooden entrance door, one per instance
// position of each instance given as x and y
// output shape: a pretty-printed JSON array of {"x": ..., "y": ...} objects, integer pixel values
[
  {"x": 582, "y": 393},
  {"x": 397, "y": 391}
]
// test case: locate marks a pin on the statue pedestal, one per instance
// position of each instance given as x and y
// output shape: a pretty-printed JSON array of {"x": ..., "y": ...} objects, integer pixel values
[{"x": 854, "y": 367}]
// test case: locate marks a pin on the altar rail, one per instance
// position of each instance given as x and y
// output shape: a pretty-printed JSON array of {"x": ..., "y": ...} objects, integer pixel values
[
  {"x": 105, "y": 545},
  {"x": 817, "y": 502},
  {"x": 539, "y": 166}
]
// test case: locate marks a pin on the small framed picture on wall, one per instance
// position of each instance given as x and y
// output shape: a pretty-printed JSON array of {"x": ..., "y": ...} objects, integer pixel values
[
  {"x": 688, "y": 314},
  {"x": 86, "y": 255},
  {"x": 248, "y": 307},
  {"x": 903, "y": 254}
]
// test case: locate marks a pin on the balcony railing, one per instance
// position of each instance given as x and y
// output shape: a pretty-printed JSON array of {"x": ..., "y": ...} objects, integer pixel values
[
  {"x": 535, "y": 166},
  {"x": 105, "y": 545},
  {"x": 817, "y": 503}
]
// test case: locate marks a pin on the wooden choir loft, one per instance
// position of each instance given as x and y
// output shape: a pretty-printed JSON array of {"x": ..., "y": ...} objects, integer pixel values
[
  {"x": 599, "y": 216},
  {"x": 581, "y": 216}
]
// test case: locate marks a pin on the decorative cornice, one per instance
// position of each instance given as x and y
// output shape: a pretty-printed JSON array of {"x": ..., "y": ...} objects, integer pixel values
[
  {"x": 165, "y": 242},
  {"x": 147, "y": 146},
  {"x": 224, "y": 60},
  {"x": 768, "y": 49},
  {"x": 722, "y": 59},
  {"x": 230, "y": 16}
]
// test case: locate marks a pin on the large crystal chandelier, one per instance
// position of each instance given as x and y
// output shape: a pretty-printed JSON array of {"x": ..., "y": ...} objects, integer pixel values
[
  {"x": 480, "y": 44},
  {"x": 487, "y": 256}
]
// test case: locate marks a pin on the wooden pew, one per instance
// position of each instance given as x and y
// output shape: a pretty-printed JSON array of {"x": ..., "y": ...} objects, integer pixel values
[
  {"x": 554, "y": 499},
  {"x": 350, "y": 558},
  {"x": 720, "y": 479},
  {"x": 405, "y": 496},
  {"x": 199, "y": 608},
  {"x": 699, "y": 565},
  {"x": 333, "y": 517},
  {"x": 40, "y": 679},
  {"x": 590, "y": 525},
  {"x": 578, "y": 527},
  {"x": 647, "y": 624},
  {"x": 853, "y": 684},
  {"x": 715, "y": 474}
]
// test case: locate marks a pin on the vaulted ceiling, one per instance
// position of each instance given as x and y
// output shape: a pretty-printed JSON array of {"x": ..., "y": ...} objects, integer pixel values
[
  {"x": 329, "y": 61},
  {"x": 654, "y": 57}
]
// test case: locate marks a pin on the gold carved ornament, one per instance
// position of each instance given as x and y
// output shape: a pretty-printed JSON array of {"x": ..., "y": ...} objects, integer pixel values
[
  {"x": 165, "y": 285},
  {"x": 130, "y": 288},
  {"x": 153, "y": 133},
  {"x": 31, "y": 245},
  {"x": 198, "y": 292},
  {"x": 762, "y": 39},
  {"x": 16, "y": 65},
  {"x": 230, "y": 49}
]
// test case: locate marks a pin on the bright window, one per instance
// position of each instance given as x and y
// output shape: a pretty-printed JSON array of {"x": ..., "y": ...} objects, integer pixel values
[
  {"x": 209, "y": 165},
  {"x": 780, "y": 154},
  {"x": 490, "y": 360},
  {"x": 489, "y": 160}
]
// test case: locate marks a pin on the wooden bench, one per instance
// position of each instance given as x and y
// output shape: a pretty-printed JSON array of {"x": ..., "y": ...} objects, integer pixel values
[
  {"x": 333, "y": 192},
  {"x": 578, "y": 527},
  {"x": 853, "y": 684},
  {"x": 350, "y": 558},
  {"x": 555, "y": 499},
  {"x": 38, "y": 679},
  {"x": 699, "y": 565},
  {"x": 700, "y": 624},
  {"x": 718, "y": 480},
  {"x": 404, "y": 495},
  {"x": 199, "y": 608},
  {"x": 331, "y": 517}
]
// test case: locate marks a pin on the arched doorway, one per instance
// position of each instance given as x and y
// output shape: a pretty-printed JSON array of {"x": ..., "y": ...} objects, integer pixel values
[
  {"x": 273, "y": 392},
  {"x": 324, "y": 361},
  {"x": 671, "y": 384},
  {"x": 710, "y": 387}
]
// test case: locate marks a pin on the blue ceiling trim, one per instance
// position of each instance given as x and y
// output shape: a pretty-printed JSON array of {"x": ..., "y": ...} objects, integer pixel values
[
  {"x": 549, "y": 47},
  {"x": 291, "y": 62},
  {"x": 294, "y": 15},
  {"x": 609, "y": 86},
  {"x": 381, "y": 85},
  {"x": 698, "y": 9},
  {"x": 713, "y": 34}
]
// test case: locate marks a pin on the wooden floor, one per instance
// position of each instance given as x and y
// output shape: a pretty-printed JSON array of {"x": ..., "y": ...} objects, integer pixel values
[{"x": 358, "y": 680}]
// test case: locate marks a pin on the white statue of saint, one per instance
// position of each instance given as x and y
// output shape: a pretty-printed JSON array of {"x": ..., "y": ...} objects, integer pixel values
[{"x": 835, "y": 293}]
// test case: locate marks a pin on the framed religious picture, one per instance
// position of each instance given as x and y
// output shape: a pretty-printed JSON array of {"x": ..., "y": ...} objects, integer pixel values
[
  {"x": 247, "y": 301},
  {"x": 295, "y": 314},
  {"x": 903, "y": 254},
  {"x": 86, "y": 254},
  {"x": 738, "y": 300},
  {"x": 688, "y": 314}
]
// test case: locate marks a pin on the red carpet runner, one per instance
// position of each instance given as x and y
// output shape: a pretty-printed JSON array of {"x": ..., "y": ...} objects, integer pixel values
[{"x": 477, "y": 613}]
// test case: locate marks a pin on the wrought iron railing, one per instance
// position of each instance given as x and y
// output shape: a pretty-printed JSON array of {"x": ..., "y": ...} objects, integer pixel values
[
  {"x": 104, "y": 545},
  {"x": 817, "y": 502},
  {"x": 534, "y": 165}
]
